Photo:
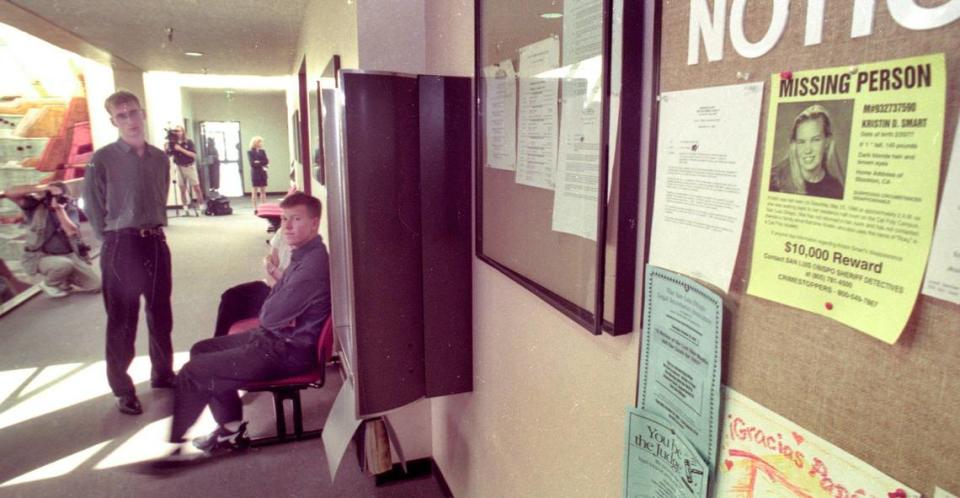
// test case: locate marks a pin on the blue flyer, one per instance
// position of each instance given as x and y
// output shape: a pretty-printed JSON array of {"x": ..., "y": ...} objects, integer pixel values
[
  {"x": 660, "y": 462},
  {"x": 680, "y": 357}
]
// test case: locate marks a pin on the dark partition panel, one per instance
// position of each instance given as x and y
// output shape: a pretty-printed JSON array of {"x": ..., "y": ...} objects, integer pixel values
[
  {"x": 445, "y": 157},
  {"x": 381, "y": 152}
]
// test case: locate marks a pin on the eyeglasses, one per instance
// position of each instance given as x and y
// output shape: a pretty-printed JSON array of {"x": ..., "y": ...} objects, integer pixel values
[{"x": 133, "y": 114}]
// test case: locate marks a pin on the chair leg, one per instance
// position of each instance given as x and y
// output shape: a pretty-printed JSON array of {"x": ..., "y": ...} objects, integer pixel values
[
  {"x": 297, "y": 414},
  {"x": 278, "y": 397}
]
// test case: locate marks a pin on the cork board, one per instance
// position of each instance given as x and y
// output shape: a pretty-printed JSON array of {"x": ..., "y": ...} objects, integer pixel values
[
  {"x": 514, "y": 231},
  {"x": 895, "y": 407}
]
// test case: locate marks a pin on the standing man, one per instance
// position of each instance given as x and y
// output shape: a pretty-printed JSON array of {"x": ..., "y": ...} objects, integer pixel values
[
  {"x": 184, "y": 155},
  {"x": 125, "y": 194}
]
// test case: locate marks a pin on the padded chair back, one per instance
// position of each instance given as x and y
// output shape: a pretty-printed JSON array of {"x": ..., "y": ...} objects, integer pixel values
[{"x": 325, "y": 343}]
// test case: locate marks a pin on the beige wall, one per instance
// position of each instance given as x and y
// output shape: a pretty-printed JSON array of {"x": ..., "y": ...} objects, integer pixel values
[
  {"x": 547, "y": 414},
  {"x": 329, "y": 28},
  {"x": 259, "y": 113},
  {"x": 390, "y": 35}
]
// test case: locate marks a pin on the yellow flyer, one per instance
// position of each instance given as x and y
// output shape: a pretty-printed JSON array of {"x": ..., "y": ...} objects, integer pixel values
[{"x": 849, "y": 190}]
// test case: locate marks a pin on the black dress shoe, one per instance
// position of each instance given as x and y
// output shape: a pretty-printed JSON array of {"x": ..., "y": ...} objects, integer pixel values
[
  {"x": 168, "y": 382},
  {"x": 129, "y": 404}
]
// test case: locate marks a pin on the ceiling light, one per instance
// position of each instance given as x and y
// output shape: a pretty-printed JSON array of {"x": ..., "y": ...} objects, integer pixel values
[
  {"x": 194, "y": 54},
  {"x": 551, "y": 15}
]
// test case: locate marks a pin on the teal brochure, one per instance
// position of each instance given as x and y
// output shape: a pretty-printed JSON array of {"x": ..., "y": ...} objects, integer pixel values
[
  {"x": 680, "y": 357},
  {"x": 660, "y": 462}
]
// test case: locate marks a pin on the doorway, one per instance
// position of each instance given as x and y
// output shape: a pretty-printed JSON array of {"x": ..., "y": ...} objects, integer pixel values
[{"x": 224, "y": 137}]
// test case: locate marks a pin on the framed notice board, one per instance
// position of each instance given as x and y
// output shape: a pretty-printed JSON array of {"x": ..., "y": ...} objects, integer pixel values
[
  {"x": 894, "y": 406},
  {"x": 556, "y": 196}
]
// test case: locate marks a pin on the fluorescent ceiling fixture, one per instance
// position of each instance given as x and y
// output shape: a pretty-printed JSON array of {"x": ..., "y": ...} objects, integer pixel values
[
  {"x": 589, "y": 69},
  {"x": 551, "y": 15},
  {"x": 59, "y": 468},
  {"x": 193, "y": 54}
]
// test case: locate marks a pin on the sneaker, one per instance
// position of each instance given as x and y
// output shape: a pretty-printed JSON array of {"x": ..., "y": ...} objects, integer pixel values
[
  {"x": 222, "y": 439},
  {"x": 53, "y": 291}
]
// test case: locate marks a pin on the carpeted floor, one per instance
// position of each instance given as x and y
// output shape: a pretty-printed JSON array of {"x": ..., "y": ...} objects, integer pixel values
[{"x": 60, "y": 434}]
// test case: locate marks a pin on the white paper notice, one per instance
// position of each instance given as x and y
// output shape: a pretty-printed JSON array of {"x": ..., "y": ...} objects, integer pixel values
[
  {"x": 340, "y": 427},
  {"x": 705, "y": 156},
  {"x": 943, "y": 269},
  {"x": 500, "y": 118},
  {"x": 578, "y": 170},
  {"x": 582, "y": 30},
  {"x": 537, "y": 129}
]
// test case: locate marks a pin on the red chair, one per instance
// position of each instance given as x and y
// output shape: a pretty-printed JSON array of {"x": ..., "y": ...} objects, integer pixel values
[
  {"x": 270, "y": 212},
  {"x": 290, "y": 387}
]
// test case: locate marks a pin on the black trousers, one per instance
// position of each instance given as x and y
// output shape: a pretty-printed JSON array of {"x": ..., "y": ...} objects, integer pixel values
[
  {"x": 133, "y": 266},
  {"x": 221, "y": 365},
  {"x": 240, "y": 302}
]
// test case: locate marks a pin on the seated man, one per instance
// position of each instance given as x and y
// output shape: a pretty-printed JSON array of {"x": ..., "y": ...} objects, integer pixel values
[
  {"x": 53, "y": 247},
  {"x": 245, "y": 300},
  {"x": 284, "y": 344}
]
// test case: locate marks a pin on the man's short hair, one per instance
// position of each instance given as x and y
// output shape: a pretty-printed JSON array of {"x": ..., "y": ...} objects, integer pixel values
[
  {"x": 118, "y": 99},
  {"x": 313, "y": 205}
]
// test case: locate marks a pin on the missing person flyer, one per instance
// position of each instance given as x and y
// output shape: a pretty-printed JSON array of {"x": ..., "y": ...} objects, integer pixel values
[
  {"x": 680, "y": 357},
  {"x": 849, "y": 191}
]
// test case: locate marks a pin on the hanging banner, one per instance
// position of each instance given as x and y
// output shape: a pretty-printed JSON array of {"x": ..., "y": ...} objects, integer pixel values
[{"x": 849, "y": 191}]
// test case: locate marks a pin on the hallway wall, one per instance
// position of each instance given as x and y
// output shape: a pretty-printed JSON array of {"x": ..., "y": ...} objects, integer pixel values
[
  {"x": 547, "y": 413},
  {"x": 546, "y": 417}
]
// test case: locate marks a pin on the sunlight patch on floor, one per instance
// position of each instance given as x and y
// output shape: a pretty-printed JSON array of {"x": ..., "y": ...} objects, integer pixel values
[
  {"x": 11, "y": 380},
  {"x": 151, "y": 442},
  {"x": 83, "y": 385},
  {"x": 148, "y": 443},
  {"x": 48, "y": 375},
  {"x": 58, "y": 468}
]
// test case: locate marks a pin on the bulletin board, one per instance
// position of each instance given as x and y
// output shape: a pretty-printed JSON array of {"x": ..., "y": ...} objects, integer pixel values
[
  {"x": 513, "y": 224},
  {"x": 896, "y": 407}
]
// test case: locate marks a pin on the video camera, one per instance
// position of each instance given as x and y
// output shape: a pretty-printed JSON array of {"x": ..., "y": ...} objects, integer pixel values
[
  {"x": 172, "y": 139},
  {"x": 49, "y": 197}
]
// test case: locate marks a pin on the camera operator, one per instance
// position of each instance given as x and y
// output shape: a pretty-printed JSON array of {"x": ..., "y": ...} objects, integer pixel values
[
  {"x": 54, "y": 247},
  {"x": 184, "y": 155}
]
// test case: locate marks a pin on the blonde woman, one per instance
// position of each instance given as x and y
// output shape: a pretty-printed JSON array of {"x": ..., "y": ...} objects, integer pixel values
[
  {"x": 258, "y": 171},
  {"x": 812, "y": 166}
]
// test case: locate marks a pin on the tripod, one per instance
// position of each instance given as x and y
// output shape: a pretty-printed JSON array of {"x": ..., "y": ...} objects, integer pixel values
[{"x": 186, "y": 198}]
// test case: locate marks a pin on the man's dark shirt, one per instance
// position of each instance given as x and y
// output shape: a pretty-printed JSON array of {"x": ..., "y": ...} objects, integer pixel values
[
  {"x": 124, "y": 190},
  {"x": 299, "y": 303},
  {"x": 180, "y": 158}
]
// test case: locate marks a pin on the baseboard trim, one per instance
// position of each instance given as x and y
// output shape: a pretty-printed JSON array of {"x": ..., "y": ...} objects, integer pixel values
[{"x": 416, "y": 469}]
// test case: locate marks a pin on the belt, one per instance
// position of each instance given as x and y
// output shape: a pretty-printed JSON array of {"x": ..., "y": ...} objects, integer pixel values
[{"x": 142, "y": 232}]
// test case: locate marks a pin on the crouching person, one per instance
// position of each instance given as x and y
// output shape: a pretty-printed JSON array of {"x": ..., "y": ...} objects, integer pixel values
[
  {"x": 54, "y": 248},
  {"x": 284, "y": 344}
]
